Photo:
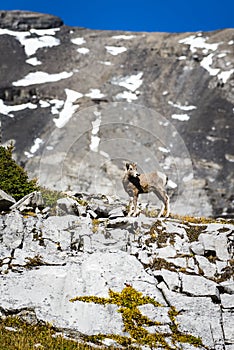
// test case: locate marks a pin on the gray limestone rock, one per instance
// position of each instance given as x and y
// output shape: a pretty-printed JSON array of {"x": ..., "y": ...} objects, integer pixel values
[
  {"x": 67, "y": 206},
  {"x": 208, "y": 241},
  {"x": 228, "y": 326},
  {"x": 227, "y": 301},
  {"x": 207, "y": 267},
  {"x": 198, "y": 286},
  {"x": 170, "y": 278},
  {"x": 29, "y": 202},
  {"x": 221, "y": 247},
  {"x": 6, "y": 201},
  {"x": 115, "y": 213},
  {"x": 44, "y": 262},
  {"x": 197, "y": 248}
]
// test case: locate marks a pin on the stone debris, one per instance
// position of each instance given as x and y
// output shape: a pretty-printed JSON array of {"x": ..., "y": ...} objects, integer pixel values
[{"x": 47, "y": 260}]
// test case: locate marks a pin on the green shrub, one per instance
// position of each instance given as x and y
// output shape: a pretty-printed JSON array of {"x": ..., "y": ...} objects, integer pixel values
[
  {"x": 13, "y": 178},
  {"x": 50, "y": 197}
]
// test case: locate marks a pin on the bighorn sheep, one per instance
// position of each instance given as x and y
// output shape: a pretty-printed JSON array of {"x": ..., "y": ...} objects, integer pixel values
[{"x": 135, "y": 183}]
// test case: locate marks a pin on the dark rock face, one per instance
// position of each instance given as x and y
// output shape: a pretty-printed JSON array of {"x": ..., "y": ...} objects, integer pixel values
[
  {"x": 78, "y": 102},
  {"x": 23, "y": 20}
]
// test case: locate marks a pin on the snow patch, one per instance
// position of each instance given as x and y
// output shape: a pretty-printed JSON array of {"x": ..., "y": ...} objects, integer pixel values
[
  {"x": 199, "y": 42},
  {"x": 33, "y": 61},
  {"x": 6, "y": 109},
  {"x": 221, "y": 55},
  {"x": 95, "y": 94},
  {"x": 224, "y": 76},
  {"x": 106, "y": 63},
  {"x": 181, "y": 58},
  {"x": 57, "y": 105},
  {"x": 95, "y": 139},
  {"x": 127, "y": 95},
  {"x": 35, "y": 147},
  {"x": 44, "y": 104},
  {"x": 206, "y": 64},
  {"x": 171, "y": 184},
  {"x": 115, "y": 50},
  {"x": 41, "y": 78},
  {"x": 31, "y": 45},
  {"x": 40, "y": 32},
  {"x": 188, "y": 178},
  {"x": 83, "y": 50},
  {"x": 181, "y": 117},
  {"x": 78, "y": 41},
  {"x": 163, "y": 149},
  {"x": 130, "y": 82},
  {"x": 183, "y": 108},
  {"x": 68, "y": 109},
  {"x": 123, "y": 37}
]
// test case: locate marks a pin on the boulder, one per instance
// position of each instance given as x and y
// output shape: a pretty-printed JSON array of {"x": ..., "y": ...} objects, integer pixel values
[
  {"x": 6, "y": 201},
  {"x": 29, "y": 202},
  {"x": 68, "y": 206},
  {"x": 25, "y": 20},
  {"x": 198, "y": 286}
]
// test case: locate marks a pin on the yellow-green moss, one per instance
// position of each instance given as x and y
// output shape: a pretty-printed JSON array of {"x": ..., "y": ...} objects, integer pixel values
[
  {"x": 95, "y": 223},
  {"x": 135, "y": 322},
  {"x": 200, "y": 220},
  {"x": 160, "y": 263},
  {"x": 16, "y": 334},
  {"x": 194, "y": 231},
  {"x": 159, "y": 234},
  {"x": 34, "y": 262}
]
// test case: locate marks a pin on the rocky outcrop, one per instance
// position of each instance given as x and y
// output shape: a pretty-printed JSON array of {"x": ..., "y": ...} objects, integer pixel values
[
  {"x": 179, "y": 272},
  {"x": 22, "y": 20},
  {"x": 90, "y": 99},
  {"x": 6, "y": 201},
  {"x": 31, "y": 202}
]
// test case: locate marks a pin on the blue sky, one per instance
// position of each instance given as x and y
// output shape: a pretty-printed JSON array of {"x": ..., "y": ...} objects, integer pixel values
[{"x": 135, "y": 15}]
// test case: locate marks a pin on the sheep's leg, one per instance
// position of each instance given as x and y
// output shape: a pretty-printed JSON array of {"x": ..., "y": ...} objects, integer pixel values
[
  {"x": 136, "y": 212},
  {"x": 161, "y": 194},
  {"x": 131, "y": 207}
]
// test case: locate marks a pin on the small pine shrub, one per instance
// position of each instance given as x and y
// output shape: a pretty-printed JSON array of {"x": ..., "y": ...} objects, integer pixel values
[
  {"x": 50, "y": 197},
  {"x": 13, "y": 178}
]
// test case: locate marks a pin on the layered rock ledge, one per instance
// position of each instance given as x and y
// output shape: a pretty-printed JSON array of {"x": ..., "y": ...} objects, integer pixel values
[{"x": 90, "y": 249}]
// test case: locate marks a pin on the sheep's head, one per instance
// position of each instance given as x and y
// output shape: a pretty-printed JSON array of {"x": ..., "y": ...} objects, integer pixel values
[{"x": 131, "y": 169}]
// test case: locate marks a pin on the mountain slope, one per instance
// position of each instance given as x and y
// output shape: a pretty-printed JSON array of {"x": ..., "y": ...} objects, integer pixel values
[{"x": 78, "y": 102}]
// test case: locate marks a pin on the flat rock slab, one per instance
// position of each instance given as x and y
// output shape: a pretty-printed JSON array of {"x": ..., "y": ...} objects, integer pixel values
[{"x": 48, "y": 290}]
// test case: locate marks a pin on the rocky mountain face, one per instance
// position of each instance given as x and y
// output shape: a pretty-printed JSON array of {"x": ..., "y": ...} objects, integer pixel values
[
  {"x": 79, "y": 102},
  {"x": 101, "y": 277}
]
